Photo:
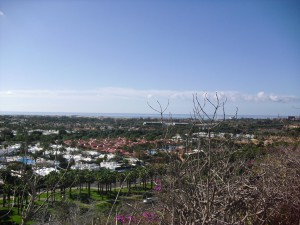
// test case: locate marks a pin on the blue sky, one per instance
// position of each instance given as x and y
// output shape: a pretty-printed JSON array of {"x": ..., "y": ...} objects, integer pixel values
[{"x": 115, "y": 56}]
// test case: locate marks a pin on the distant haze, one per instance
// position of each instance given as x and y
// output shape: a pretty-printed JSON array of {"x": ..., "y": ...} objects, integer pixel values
[{"x": 134, "y": 115}]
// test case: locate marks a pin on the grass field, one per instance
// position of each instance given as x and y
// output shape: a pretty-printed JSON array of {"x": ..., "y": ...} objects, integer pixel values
[{"x": 103, "y": 201}]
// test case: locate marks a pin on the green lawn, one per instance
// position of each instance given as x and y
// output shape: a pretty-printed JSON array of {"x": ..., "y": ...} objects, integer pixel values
[
  {"x": 9, "y": 217},
  {"x": 102, "y": 201}
]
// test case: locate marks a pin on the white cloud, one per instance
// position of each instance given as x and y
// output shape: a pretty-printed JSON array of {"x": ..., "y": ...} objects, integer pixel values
[
  {"x": 1, "y": 13},
  {"x": 274, "y": 98},
  {"x": 261, "y": 94},
  {"x": 115, "y": 99},
  {"x": 111, "y": 93}
]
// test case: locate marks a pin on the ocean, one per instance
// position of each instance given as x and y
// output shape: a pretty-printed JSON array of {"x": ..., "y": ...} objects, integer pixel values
[{"x": 129, "y": 115}]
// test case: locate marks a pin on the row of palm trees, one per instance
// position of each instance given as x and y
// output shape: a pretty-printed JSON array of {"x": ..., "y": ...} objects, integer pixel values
[{"x": 106, "y": 181}]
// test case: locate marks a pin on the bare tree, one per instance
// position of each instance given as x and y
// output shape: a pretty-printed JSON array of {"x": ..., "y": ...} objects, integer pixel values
[{"x": 214, "y": 186}]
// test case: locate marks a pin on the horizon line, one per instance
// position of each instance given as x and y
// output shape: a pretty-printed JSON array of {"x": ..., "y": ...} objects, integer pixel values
[{"x": 129, "y": 115}]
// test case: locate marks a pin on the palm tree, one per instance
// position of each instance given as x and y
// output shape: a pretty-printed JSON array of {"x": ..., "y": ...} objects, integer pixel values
[
  {"x": 114, "y": 177},
  {"x": 80, "y": 179},
  {"x": 100, "y": 179},
  {"x": 151, "y": 173},
  {"x": 111, "y": 179},
  {"x": 131, "y": 177},
  {"x": 71, "y": 180},
  {"x": 6, "y": 185},
  {"x": 107, "y": 179},
  {"x": 52, "y": 183},
  {"x": 41, "y": 183},
  {"x": 89, "y": 178},
  {"x": 121, "y": 177},
  {"x": 66, "y": 181},
  {"x": 143, "y": 175}
]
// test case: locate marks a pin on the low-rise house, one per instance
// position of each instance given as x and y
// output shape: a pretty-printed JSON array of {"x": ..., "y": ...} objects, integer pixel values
[
  {"x": 44, "y": 171},
  {"x": 110, "y": 165},
  {"x": 84, "y": 166}
]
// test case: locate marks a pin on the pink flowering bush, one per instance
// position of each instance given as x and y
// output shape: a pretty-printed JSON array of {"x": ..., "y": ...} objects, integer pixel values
[
  {"x": 149, "y": 217},
  {"x": 121, "y": 219},
  {"x": 124, "y": 219},
  {"x": 158, "y": 186}
]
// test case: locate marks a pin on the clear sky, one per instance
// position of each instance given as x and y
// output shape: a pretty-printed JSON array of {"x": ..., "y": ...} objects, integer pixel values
[{"x": 115, "y": 56}]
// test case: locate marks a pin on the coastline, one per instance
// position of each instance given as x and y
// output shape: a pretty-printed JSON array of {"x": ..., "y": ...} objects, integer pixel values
[{"x": 127, "y": 115}]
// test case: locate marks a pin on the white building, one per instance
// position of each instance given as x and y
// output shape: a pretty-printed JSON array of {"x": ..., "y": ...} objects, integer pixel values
[{"x": 110, "y": 165}]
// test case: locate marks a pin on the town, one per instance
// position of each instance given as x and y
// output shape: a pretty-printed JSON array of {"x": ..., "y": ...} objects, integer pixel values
[
  {"x": 46, "y": 150},
  {"x": 116, "y": 155}
]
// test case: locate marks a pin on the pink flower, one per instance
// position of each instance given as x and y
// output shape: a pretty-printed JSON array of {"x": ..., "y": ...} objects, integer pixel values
[
  {"x": 120, "y": 218},
  {"x": 149, "y": 216},
  {"x": 157, "y": 187},
  {"x": 123, "y": 219},
  {"x": 130, "y": 218}
]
